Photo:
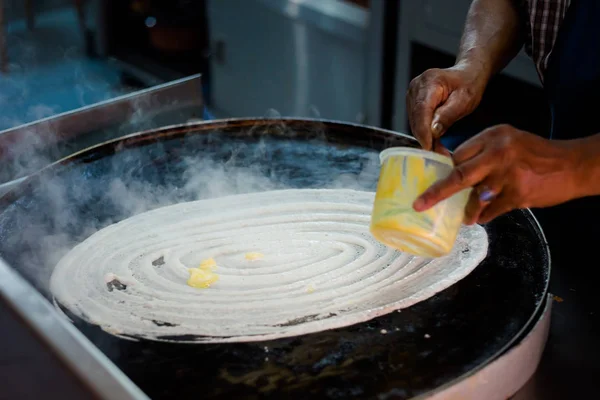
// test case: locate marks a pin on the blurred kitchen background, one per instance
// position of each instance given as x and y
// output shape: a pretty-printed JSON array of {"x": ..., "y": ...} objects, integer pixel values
[{"x": 349, "y": 60}]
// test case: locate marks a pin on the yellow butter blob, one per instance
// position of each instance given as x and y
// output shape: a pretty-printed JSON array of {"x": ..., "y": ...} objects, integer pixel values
[
  {"x": 203, "y": 276},
  {"x": 254, "y": 256},
  {"x": 200, "y": 278}
]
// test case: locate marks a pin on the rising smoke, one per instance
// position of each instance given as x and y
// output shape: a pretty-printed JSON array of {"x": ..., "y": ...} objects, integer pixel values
[{"x": 242, "y": 168}]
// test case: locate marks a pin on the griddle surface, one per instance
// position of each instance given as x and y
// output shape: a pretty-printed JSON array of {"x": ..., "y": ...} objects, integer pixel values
[{"x": 426, "y": 346}]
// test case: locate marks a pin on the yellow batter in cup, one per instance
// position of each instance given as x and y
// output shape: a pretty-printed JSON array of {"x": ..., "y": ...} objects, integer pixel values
[{"x": 405, "y": 174}]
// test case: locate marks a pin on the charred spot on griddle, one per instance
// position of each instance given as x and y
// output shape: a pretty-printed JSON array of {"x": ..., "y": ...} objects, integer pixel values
[
  {"x": 159, "y": 261},
  {"x": 296, "y": 321},
  {"x": 307, "y": 318},
  {"x": 180, "y": 338},
  {"x": 163, "y": 323},
  {"x": 115, "y": 284}
]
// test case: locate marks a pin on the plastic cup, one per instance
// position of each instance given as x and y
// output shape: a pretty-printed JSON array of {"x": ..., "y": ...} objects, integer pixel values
[{"x": 405, "y": 174}]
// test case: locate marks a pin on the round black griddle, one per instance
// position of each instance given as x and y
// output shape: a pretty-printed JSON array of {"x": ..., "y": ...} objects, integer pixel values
[{"x": 426, "y": 346}]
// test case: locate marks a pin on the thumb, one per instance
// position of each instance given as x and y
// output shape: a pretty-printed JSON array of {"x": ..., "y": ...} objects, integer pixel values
[{"x": 453, "y": 109}]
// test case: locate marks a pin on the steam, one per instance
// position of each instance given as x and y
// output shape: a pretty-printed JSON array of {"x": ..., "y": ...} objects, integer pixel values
[
  {"x": 203, "y": 180},
  {"x": 247, "y": 169},
  {"x": 368, "y": 174},
  {"x": 43, "y": 64},
  {"x": 49, "y": 242}
]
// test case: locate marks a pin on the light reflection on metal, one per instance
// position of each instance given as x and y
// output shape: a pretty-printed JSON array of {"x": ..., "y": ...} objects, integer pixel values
[{"x": 83, "y": 359}]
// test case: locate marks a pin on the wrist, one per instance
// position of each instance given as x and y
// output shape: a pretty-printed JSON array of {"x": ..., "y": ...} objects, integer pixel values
[
  {"x": 477, "y": 69},
  {"x": 474, "y": 61}
]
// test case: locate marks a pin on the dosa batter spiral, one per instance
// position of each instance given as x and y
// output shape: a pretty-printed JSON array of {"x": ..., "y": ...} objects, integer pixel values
[{"x": 320, "y": 268}]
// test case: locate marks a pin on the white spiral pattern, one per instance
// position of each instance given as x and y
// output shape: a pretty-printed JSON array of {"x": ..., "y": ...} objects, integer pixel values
[{"x": 321, "y": 268}]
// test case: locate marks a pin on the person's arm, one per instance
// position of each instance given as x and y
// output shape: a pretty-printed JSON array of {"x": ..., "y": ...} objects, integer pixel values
[
  {"x": 438, "y": 98},
  {"x": 492, "y": 36},
  {"x": 509, "y": 168},
  {"x": 584, "y": 164}
]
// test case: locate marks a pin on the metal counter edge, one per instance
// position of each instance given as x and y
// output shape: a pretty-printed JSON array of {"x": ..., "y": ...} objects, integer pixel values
[{"x": 82, "y": 358}]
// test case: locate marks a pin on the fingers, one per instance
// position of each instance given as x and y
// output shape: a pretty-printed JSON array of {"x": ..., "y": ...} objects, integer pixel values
[
  {"x": 495, "y": 139},
  {"x": 462, "y": 177},
  {"x": 474, "y": 208},
  {"x": 481, "y": 197},
  {"x": 484, "y": 163},
  {"x": 448, "y": 113},
  {"x": 438, "y": 98},
  {"x": 424, "y": 98},
  {"x": 499, "y": 206},
  {"x": 468, "y": 150}
]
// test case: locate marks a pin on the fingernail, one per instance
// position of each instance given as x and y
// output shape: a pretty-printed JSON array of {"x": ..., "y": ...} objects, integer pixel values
[
  {"x": 437, "y": 128},
  {"x": 419, "y": 204},
  {"x": 486, "y": 195}
]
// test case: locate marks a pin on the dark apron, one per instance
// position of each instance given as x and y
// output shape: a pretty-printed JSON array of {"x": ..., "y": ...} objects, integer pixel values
[{"x": 572, "y": 84}]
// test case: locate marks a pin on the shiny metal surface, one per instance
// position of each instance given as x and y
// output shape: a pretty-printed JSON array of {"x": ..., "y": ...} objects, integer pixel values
[
  {"x": 505, "y": 376},
  {"x": 38, "y": 143},
  {"x": 6, "y": 186},
  {"x": 83, "y": 359}
]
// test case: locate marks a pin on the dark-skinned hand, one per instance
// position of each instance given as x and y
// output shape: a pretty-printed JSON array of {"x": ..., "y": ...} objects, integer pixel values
[
  {"x": 508, "y": 169},
  {"x": 438, "y": 98}
]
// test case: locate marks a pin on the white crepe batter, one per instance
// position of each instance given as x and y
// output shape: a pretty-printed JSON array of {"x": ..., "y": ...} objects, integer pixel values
[{"x": 320, "y": 268}]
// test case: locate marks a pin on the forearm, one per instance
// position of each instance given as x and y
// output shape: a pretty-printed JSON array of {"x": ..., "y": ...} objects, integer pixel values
[
  {"x": 491, "y": 38},
  {"x": 583, "y": 163}
]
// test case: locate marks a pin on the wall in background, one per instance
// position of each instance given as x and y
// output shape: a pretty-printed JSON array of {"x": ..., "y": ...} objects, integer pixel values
[{"x": 15, "y": 9}]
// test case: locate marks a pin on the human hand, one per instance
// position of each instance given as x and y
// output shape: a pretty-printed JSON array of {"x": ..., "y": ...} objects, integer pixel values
[
  {"x": 508, "y": 169},
  {"x": 438, "y": 98}
]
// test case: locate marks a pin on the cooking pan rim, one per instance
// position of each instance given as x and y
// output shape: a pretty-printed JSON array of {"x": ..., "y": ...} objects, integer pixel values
[
  {"x": 523, "y": 332},
  {"x": 125, "y": 142}
]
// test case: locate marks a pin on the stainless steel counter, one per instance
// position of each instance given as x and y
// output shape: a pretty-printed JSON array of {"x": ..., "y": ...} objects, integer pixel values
[
  {"x": 40, "y": 352},
  {"x": 27, "y": 148},
  {"x": 65, "y": 360}
]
